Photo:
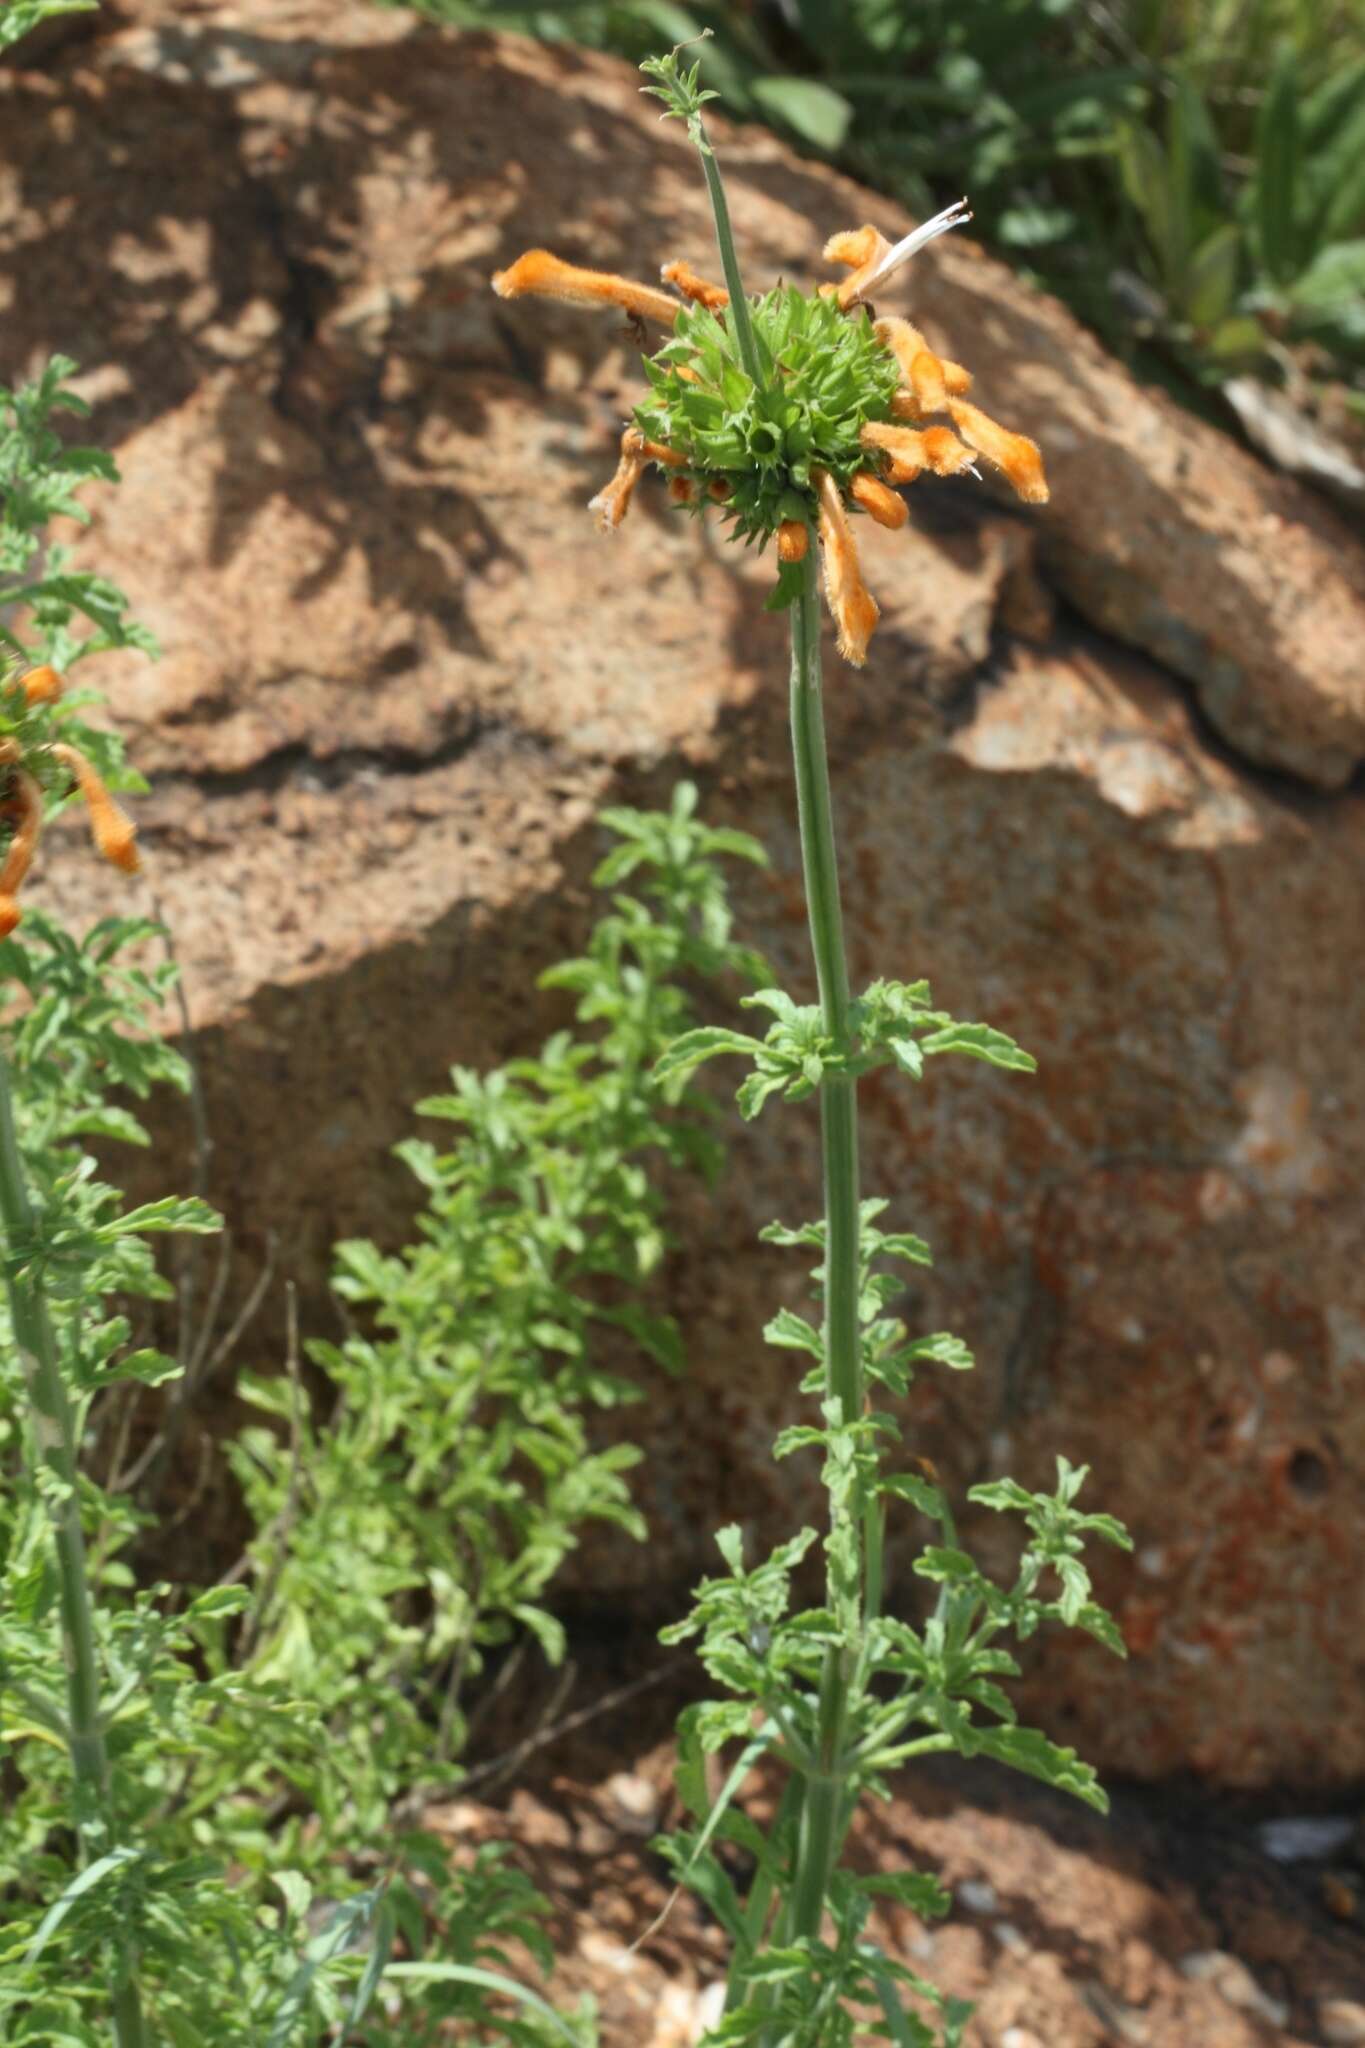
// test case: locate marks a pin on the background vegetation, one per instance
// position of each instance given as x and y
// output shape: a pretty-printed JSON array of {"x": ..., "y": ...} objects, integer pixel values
[
  {"x": 221, "y": 1839},
  {"x": 1189, "y": 175}
]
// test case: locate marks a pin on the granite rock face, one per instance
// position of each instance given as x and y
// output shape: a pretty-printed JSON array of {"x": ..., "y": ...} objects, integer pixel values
[{"x": 1095, "y": 782}]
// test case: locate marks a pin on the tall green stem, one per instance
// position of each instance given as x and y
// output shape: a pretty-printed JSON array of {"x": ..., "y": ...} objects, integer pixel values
[
  {"x": 824, "y": 1807},
  {"x": 838, "y": 1094},
  {"x": 823, "y": 1812},
  {"x": 729, "y": 259},
  {"x": 55, "y": 1441}
]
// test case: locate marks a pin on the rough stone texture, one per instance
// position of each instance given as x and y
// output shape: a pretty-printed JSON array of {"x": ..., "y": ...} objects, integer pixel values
[{"x": 402, "y": 670}]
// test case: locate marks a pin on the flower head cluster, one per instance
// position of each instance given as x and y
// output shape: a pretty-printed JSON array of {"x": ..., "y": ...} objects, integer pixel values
[
  {"x": 811, "y": 412},
  {"x": 31, "y": 760}
]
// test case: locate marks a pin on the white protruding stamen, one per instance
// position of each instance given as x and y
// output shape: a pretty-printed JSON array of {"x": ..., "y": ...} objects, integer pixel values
[{"x": 954, "y": 216}]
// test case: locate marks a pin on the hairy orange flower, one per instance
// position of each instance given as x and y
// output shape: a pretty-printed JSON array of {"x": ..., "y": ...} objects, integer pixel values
[
  {"x": 878, "y": 500},
  {"x": 1015, "y": 454},
  {"x": 545, "y": 276},
  {"x": 42, "y": 685},
  {"x": 912, "y": 450},
  {"x": 733, "y": 433},
  {"x": 928, "y": 378},
  {"x": 872, "y": 259},
  {"x": 113, "y": 831},
  {"x": 21, "y": 802},
  {"x": 853, "y": 607},
  {"x": 613, "y": 500},
  {"x": 668, "y": 458},
  {"x": 23, "y": 807},
  {"x": 685, "y": 279}
]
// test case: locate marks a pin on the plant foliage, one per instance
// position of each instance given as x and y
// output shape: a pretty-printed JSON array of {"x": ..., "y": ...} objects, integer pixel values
[
  {"x": 1188, "y": 174},
  {"x": 246, "y": 1865}
]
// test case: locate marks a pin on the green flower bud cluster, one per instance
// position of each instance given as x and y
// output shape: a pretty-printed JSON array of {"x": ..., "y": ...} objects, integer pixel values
[{"x": 824, "y": 375}]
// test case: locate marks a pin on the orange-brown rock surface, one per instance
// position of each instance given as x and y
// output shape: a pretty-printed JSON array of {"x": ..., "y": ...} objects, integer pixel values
[
  {"x": 1095, "y": 782},
  {"x": 1164, "y": 1925}
]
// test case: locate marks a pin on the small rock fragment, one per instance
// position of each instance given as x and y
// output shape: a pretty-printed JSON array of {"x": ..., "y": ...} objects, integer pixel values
[
  {"x": 976, "y": 1895},
  {"x": 1233, "y": 1981},
  {"x": 636, "y": 1802},
  {"x": 711, "y": 2006},
  {"x": 608, "y": 1954},
  {"x": 592, "y": 1837},
  {"x": 1342, "y": 2021},
  {"x": 1303, "y": 1838}
]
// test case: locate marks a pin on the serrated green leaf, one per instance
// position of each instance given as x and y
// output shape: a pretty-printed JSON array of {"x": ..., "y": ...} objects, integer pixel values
[
  {"x": 944, "y": 1349},
  {"x": 218, "y": 1602},
  {"x": 1005, "y": 1495},
  {"x": 1028, "y": 1750},
  {"x": 149, "y": 1367},
  {"x": 909, "y": 1486},
  {"x": 981, "y": 1042},
  {"x": 173, "y": 1212},
  {"x": 704, "y": 1043},
  {"x": 755, "y": 1091},
  {"x": 939, "y": 1563},
  {"x": 793, "y": 1333}
]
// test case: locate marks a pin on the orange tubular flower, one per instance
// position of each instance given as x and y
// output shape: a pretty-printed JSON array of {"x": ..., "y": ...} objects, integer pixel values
[
  {"x": 929, "y": 378},
  {"x": 862, "y": 249},
  {"x": 912, "y": 451},
  {"x": 875, "y": 498},
  {"x": 730, "y": 421},
  {"x": 613, "y": 500},
  {"x": 24, "y": 805},
  {"x": 852, "y": 604},
  {"x": 113, "y": 830},
  {"x": 684, "y": 279},
  {"x": 21, "y": 801},
  {"x": 654, "y": 451},
  {"x": 930, "y": 383},
  {"x": 793, "y": 540},
  {"x": 42, "y": 686},
  {"x": 872, "y": 259},
  {"x": 545, "y": 276},
  {"x": 1015, "y": 454}
]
